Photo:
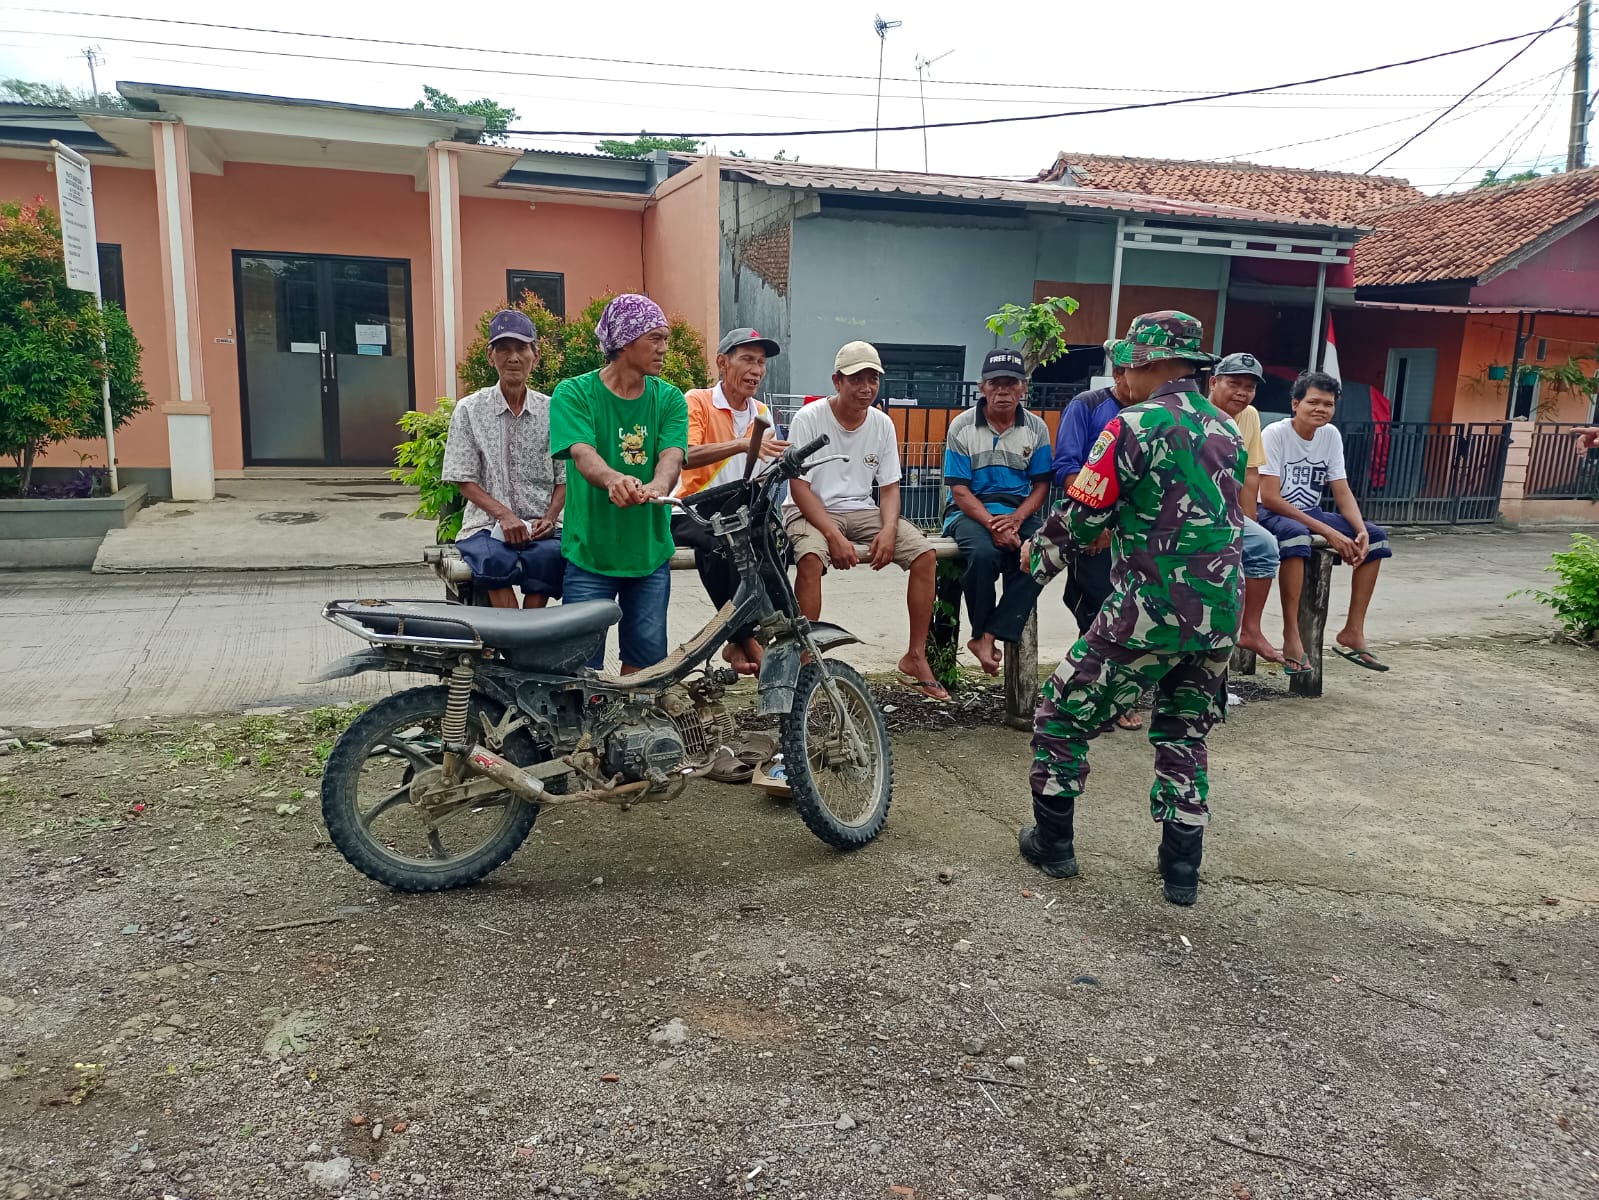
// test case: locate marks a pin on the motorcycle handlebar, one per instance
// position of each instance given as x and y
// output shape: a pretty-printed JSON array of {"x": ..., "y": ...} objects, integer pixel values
[{"x": 794, "y": 459}]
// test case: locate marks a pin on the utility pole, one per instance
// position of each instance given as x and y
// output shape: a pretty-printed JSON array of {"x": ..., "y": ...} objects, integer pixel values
[
  {"x": 92, "y": 56},
  {"x": 923, "y": 64},
  {"x": 882, "y": 28},
  {"x": 1577, "y": 149}
]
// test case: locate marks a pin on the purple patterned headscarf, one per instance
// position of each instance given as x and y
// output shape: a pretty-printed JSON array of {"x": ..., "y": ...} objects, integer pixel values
[{"x": 626, "y": 319}]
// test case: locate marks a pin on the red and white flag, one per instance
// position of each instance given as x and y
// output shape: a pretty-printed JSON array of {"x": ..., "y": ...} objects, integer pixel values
[{"x": 1329, "y": 358}]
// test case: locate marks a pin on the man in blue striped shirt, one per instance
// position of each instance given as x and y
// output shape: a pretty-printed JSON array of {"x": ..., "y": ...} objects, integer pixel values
[{"x": 997, "y": 468}]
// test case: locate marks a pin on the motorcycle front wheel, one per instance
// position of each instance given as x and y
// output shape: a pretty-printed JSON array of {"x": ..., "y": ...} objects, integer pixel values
[
  {"x": 366, "y": 797},
  {"x": 841, "y": 788}
]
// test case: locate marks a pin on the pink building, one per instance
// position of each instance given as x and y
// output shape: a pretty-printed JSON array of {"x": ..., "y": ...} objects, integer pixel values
[{"x": 300, "y": 273}]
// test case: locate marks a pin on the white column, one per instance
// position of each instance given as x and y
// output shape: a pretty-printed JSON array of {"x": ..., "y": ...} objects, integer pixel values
[
  {"x": 1315, "y": 319},
  {"x": 1115, "y": 286},
  {"x": 1221, "y": 304},
  {"x": 188, "y": 415},
  {"x": 444, "y": 210}
]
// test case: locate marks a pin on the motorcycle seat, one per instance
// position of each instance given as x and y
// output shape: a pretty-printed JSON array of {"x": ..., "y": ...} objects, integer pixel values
[{"x": 509, "y": 630}]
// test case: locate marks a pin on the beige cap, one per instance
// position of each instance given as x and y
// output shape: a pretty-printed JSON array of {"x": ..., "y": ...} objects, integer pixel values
[{"x": 857, "y": 356}]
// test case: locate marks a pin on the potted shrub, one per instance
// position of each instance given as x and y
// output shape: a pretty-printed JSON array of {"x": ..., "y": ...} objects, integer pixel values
[{"x": 51, "y": 370}]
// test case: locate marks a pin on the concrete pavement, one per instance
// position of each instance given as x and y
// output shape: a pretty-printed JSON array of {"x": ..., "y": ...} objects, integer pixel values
[
  {"x": 83, "y": 648},
  {"x": 273, "y": 524}
]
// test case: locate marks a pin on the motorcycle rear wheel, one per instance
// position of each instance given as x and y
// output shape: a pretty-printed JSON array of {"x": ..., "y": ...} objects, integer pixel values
[
  {"x": 842, "y": 801},
  {"x": 366, "y": 797}
]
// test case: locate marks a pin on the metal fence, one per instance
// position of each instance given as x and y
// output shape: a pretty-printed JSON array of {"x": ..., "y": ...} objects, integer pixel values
[
  {"x": 1427, "y": 473},
  {"x": 1556, "y": 470}
]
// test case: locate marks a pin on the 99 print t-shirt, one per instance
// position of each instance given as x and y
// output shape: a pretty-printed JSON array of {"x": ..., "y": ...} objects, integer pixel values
[{"x": 1303, "y": 467}]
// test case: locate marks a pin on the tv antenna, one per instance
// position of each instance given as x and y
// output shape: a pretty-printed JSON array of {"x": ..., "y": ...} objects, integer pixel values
[
  {"x": 882, "y": 28},
  {"x": 923, "y": 63}
]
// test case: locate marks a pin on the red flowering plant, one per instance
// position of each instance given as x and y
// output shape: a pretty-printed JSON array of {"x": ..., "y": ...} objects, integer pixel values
[{"x": 51, "y": 362}]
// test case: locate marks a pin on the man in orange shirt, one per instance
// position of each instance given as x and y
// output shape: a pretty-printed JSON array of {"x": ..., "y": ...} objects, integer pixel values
[{"x": 718, "y": 436}]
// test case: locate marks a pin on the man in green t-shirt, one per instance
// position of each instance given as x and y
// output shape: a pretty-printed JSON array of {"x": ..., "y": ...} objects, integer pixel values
[{"x": 623, "y": 432}]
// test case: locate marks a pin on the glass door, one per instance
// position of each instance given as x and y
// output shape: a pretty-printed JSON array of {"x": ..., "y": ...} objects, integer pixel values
[{"x": 325, "y": 358}]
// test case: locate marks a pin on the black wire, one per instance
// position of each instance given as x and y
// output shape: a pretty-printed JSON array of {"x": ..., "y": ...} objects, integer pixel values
[
  {"x": 1275, "y": 87},
  {"x": 1560, "y": 23}
]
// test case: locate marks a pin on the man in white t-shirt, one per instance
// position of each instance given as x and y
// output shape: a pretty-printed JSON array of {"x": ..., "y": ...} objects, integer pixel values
[
  {"x": 830, "y": 509},
  {"x": 1303, "y": 456}
]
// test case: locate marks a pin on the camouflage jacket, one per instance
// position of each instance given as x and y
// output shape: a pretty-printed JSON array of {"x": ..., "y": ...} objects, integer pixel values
[{"x": 1164, "y": 476}]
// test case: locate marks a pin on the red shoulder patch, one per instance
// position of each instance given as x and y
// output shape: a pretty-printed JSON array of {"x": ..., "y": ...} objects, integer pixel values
[{"x": 1096, "y": 484}]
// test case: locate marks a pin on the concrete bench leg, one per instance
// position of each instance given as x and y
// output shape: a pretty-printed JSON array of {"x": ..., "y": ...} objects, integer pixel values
[
  {"x": 1021, "y": 676},
  {"x": 1313, "y": 602}
]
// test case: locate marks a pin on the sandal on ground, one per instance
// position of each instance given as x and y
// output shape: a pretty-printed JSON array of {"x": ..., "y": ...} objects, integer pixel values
[
  {"x": 1132, "y": 721},
  {"x": 1361, "y": 658},
  {"x": 930, "y": 688},
  {"x": 726, "y": 767}
]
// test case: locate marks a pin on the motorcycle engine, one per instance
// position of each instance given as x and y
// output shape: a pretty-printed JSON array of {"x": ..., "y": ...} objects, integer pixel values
[{"x": 686, "y": 730}]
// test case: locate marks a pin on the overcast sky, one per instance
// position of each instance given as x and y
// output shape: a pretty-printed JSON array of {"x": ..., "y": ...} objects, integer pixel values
[{"x": 1060, "y": 57}]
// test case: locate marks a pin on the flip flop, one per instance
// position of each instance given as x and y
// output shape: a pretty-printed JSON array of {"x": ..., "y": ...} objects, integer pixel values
[
  {"x": 1295, "y": 666},
  {"x": 756, "y": 749},
  {"x": 727, "y": 768},
  {"x": 1132, "y": 716},
  {"x": 1361, "y": 658},
  {"x": 922, "y": 685}
]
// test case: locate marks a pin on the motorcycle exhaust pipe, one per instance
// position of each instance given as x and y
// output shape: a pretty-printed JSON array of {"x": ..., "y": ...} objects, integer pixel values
[{"x": 508, "y": 775}]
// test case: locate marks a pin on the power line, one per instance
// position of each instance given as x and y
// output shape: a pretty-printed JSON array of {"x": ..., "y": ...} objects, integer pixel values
[
  {"x": 1511, "y": 153},
  {"x": 1275, "y": 87},
  {"x": 636, "y": 62},
  {"x": 1561, "y": 22}
]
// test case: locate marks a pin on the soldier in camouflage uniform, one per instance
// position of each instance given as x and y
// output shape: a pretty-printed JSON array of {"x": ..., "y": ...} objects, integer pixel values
[{"x": 1164, "y": 477}]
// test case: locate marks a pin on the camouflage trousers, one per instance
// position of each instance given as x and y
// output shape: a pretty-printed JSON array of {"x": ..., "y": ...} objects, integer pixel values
[{"x": 1099, "y": 682}]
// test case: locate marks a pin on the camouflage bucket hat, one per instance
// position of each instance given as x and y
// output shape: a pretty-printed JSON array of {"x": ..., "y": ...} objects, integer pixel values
[{"x": 1157, "y": 336}]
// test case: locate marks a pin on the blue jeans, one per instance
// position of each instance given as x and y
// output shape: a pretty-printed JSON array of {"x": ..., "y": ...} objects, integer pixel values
[
  {"x": 641, "y": 634},
  {"x": 1260, "y": 551}
]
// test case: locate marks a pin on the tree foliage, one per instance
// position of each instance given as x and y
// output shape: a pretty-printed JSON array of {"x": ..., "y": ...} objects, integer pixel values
[
  {"x": 566, "y": 348},
  {"x": 497, "y": 117},
  {"x": 1493, "y": 179},
  {"x": 58, "y": 95},
  {"x": 1575, "y": 599},
  {"x": 646, "y": 144},
  {"x": 51, "y": 364},
  {"x": 1037, "y": 327}
]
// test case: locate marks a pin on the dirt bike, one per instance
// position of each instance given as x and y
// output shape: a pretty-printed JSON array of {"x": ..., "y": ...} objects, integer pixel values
[{"x": 437, "y": 786}]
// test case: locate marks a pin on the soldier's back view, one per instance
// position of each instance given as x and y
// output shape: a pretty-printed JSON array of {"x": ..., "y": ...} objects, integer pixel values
[{"x": 1164, "y": 478}]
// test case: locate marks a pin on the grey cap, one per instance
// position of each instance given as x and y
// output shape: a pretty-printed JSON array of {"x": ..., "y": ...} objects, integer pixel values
[
  {"x": 735, "y": 338},
  {"x": 1240, "y": 364}
]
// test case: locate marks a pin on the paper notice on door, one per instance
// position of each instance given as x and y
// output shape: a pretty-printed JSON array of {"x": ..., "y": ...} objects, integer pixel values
[
  {"x": 371, "y": 335},
  {"x": 369, "y": 349},
  {"x": 304, "y": 347}
]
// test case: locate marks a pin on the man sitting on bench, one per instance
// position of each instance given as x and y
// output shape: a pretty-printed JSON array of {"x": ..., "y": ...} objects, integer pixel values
[
  {"x": 1304, "y": 455},
  {"x": 498, "y": 454},
  {"x": 997, "y": 468}
]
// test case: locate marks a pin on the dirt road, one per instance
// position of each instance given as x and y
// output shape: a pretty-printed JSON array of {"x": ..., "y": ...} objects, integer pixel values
[{"x": 1386, "y": 990}]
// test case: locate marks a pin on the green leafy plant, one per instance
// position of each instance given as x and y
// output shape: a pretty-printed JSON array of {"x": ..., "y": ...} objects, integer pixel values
[
  {"x": 646, "y": 143},
  {"x": 497, "y": 117},
  {"x": 51, "y": 363},
  {"x": 421, "y": 465},
  {"x": 1037, "y": 327},
  {"x": 1575, "y": 599},
  {"x": 1575, "y": 376},
  {"x": 943, "y": 634}
]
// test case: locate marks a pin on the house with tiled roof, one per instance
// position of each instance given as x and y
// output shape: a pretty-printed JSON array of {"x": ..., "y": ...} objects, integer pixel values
[
  {"x": 1487, "y": 285},
  {"x": 1313, "y": 194}
]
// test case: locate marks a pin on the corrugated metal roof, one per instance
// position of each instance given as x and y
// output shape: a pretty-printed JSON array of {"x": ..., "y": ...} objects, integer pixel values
[{"x": 1006, "y": 191}]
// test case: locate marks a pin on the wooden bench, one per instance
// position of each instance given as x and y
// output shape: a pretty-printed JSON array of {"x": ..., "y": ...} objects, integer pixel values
[
  {"x": 1314, "y": 600},
  {"x": 1021, "y": 658}
]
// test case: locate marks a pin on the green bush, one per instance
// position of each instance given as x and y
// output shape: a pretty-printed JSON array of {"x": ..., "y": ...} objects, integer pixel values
[
  {"x": 1575, "y": 598},
  {"x": 566, "y": 348},
  {"x": 51, "y": 365}
]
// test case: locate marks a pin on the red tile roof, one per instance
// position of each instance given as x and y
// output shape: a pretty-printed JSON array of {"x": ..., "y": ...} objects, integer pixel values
[
  {"x": 977, "y": 187},
  {"x": 1334, "y": 196},
  {"x": 1473, "y": 235}
]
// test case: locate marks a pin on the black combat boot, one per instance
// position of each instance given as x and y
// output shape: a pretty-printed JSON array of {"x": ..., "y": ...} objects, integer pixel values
[
  {"x": 1048, "y": 844},
  {"x": 1181, "y": 847}
]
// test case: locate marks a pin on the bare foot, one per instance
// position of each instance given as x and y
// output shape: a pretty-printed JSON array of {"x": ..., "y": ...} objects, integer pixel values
[
  {"x": 737, "y": 659},
  {"x": 986, "y": 653},
  {"x": 1293, "y": 650},
  {"x": 1351, "y": 641},
  {"x": 755, "y": 652},
  {"x": 1131, "y": 720},
  {"x": 920, "y": 672},
  {"x": 1258, "y": 643}
]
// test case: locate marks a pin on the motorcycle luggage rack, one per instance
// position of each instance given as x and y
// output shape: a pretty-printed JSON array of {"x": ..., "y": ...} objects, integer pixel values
[{"x": 376, "y": 621}]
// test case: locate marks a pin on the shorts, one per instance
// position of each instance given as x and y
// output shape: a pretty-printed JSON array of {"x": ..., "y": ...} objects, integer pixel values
[
  {"x": 860, "y": 526},
  {"x": 535, "y": 567},
  {"x": 1293, "y": 537},
  {"x": 1260, "y": 551}
]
